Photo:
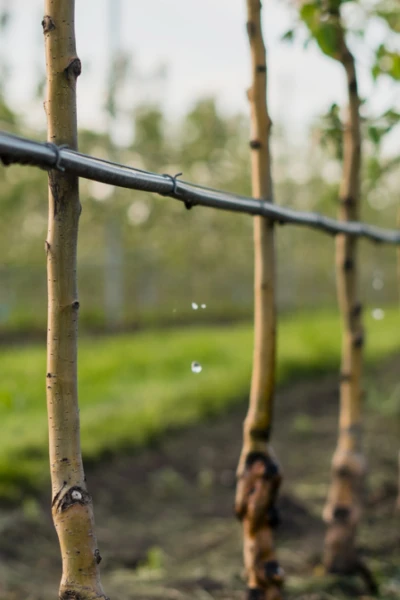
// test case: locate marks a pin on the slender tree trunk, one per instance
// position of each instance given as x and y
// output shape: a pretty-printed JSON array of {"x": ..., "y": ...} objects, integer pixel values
[
  {"x": 258, "y": 474},
  {"x": 71, "y": 504},
  {"x": 344, "y": 505}
]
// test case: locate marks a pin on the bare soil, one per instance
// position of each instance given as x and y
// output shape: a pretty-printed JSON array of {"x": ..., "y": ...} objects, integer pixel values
[{"x": 164, "y": 515}]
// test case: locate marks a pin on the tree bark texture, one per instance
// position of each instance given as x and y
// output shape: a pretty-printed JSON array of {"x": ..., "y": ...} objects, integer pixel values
[
  {"x": 71, "y": 503},
  {"x": 258, "y": 474},
  {"x": 345, "y": 499}
]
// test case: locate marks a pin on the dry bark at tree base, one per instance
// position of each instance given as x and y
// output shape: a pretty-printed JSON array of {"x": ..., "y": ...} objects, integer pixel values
[
  {"x": 342, "y": 513},
  {"x": 255, "y": 506},
  {"x": 68, "y": 592},
  {"x": 341, "y": 556}
]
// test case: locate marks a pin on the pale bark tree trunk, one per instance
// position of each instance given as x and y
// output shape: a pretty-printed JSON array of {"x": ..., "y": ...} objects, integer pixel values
[
  {"x": 345, "y": 499},
  {"x": 258, "y": 474},
  {"x": 71, "y": 504}
]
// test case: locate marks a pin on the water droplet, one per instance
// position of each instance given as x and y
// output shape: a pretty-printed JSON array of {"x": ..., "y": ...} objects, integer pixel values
[
  {"x": 378, "y": 314},
  {"x": 196, "y": 367},
  {"x": 195, "y": 306},
  {"x": 377, "y": 283},
  {"x": 204, "y": 306}
]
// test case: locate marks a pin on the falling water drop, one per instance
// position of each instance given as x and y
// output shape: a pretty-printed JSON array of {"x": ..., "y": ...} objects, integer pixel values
[
  {"x": 378, "y": 314},
  {"x": 204, "y": 306},
  {"x": 195, "y": 306},
  {"x": 196, "y": 367}
]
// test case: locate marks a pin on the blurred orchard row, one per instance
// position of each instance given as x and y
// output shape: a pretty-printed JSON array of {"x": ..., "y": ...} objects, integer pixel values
[{"x": 145, "y": 259}]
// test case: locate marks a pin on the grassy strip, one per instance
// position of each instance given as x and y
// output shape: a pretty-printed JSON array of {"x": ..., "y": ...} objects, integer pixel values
[{"x": 134, "y": 387}]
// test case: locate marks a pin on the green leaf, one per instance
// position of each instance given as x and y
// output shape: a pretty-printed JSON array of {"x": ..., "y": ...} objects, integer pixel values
[
  {"x": 373, "y": 167},
  {"x": 375, "y": 72},
  {"x": 324, "y": 32},
  {"x": 374, "y": 134},
  {"x": 310, "y": 14},
  {"x": 392, "y": 116},
  {"x": 395, "y": 70},
  {"x": 327, "y": 38}
]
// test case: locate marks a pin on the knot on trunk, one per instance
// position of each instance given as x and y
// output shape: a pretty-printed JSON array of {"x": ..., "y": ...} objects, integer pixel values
[
  {"x": 260, "y": 434},
  {"x": 356, "y": 310},
  {"x": 351, "y": 465},
  {"x": 48, "y": 24},
  {"x": 343, "y": 509},
  {"x": 74, "y": 69},
  {"x": 358, "y": 339},
  {"x": 257, "y": 489},
  {"x": 348, "y": 264},
  {"x": 353, "y": 88},
  {"x": 74, "y": 495},
  {"x": 348, "y": 201},
  {"x": 255, "y": 144},
  {"x": 97, "y": 556}
]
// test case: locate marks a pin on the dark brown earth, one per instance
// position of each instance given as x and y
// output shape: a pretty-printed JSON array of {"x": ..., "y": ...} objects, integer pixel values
[{"x": 164, "y": 515}]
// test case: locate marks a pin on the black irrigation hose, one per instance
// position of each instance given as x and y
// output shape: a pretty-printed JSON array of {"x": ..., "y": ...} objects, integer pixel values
[{"x": 47, "y": 156}]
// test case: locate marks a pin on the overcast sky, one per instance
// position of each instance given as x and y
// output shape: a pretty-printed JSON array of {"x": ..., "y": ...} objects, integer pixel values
[{"x": 203, "y": 43}]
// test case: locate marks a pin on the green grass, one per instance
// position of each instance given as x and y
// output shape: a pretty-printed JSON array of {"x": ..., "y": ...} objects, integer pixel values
[{"x": 134, "y": 387}]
